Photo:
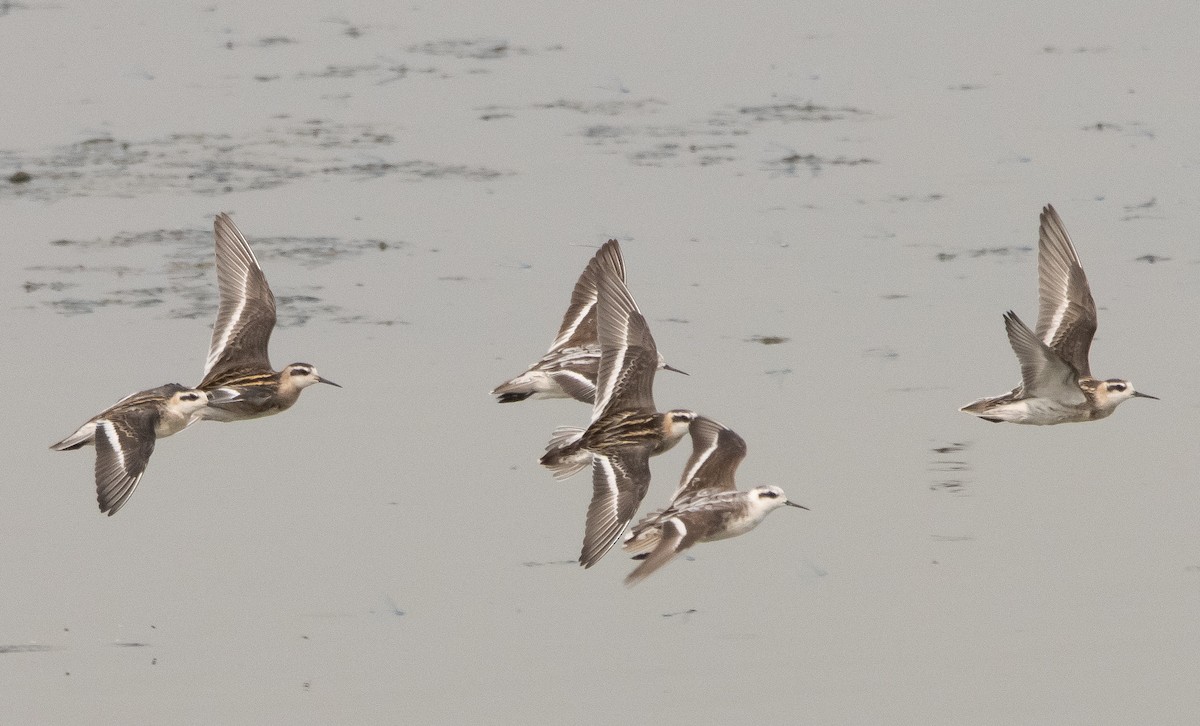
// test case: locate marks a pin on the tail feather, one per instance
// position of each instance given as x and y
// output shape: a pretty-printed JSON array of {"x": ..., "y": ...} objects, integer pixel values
[
  {"x": 517, "y": 389},
  {"x": 510, "y": 397},
  {"x": 562, "y": 458},
  {"x": 86, "y": 434},
  {"x": 530, "y": 384},
  {"x": 641, "y": 543}
]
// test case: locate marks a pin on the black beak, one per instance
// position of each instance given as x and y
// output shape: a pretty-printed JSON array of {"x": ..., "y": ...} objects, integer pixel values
[
  {"x": 674, "y": 369},
  {"x": 326, "y": 380},
  {"x": 1139, "y": 394},
  {"x": 798, "y": 506}
]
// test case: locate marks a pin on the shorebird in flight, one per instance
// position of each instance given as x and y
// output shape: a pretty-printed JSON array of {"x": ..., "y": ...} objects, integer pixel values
[
  {"x": 124, "y": 436},
  {"x": 626, "y": 427},
  {"x": 1057, "y": 385},
  {"x": 569, "y": 369},
  {"x": 237, "y": 358},
  {"x": 707, "y": 505}
]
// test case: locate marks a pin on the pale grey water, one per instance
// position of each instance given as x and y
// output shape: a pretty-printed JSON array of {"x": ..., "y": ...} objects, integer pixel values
[{"x": 862, "y": 181}]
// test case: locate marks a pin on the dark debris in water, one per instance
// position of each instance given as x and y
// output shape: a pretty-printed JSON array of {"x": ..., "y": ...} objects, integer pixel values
[
  {"x": 813, "y": 163},
  {"x": 881, "y": 353},
  {"x": 185, "y": 280},
  {"x": 1008, "y": 251},
  {"x": 612, "y": 107},
  {"x": 7, "y": 6},
  {"x": 272, "y": 40},
  {"x": 954, "y": 486},
  {"x": 1152, "y": 259},
  {"x": 685, "y": 613},
  {"x": 473, "y": 48},
  {"x": 710, "y": 141},
  {"x": 26, "y": 648},
  {"x": 904, "y": 198},
  {"x": 1135, "y": 211},
  {"x": 1000, "y": 251},
  {"x": 549, "y": 563},
  {"x": 379, "y": 73},
  {"x": 807, "y": 111},
  {"x": 392, "y": 607},
  {"x": 950, "y": 448},
  {"x": 212, "y": 164},
  {"x": 52, "y": 286},
  {"x": 767, "y": 339},
  {"x": 950, "y": 474}
]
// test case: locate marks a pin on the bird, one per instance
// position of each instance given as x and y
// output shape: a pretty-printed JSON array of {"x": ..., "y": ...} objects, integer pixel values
[
  {"x": 237, "y": 357},
  {"x": 707, "y": 505},
  {"x": 570, "y": 367},
  {"x": 1057, "y": 385},
  {"x": 626, "y": 427},
  {"x": 124, "y": 436}
]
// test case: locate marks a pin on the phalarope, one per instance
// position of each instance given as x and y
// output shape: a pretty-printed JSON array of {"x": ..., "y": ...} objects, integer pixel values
[
  {"x": 237, "y": 357},
  {"x": 626, "y": 428},
  {"x": 124, "y": 436},
  {"x": 707, "y": 505},
  {"x": 570, "y": 367},
  {"x": 1056, "y": 381}
]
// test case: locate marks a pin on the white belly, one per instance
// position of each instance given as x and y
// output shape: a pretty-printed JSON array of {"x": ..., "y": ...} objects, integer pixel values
[{"x": 1037, "y": 412}]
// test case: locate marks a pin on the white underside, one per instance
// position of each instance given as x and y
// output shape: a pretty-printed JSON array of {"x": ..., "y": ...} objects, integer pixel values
[
  {"x": 737, "y": 526},
  {"x": 1035, "y": 412},
  {"x": 85, "y": 434},
  {"x": 536, "y": 383}
]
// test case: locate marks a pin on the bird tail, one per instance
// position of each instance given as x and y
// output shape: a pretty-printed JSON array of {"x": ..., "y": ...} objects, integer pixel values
[
  {"x": 563, "y": 457},
  {"x": 642, "y": 541},
  {"x": 86, "y": 434},
  {"x": 517, "y": 389}
]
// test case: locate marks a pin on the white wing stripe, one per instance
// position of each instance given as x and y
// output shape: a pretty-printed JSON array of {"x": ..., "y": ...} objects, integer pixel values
[
  {"x": 1057, "y": 320},
  {"x": 690, "y": 472},
  {"x": 105, "y": 427},
  {"x": 218, "y": 348},
  {"x": 606, "y": 386}
]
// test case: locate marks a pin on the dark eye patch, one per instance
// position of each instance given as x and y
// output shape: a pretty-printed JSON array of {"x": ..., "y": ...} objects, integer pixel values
[
  {"x": 768, "y": 494},
  {"x": 300, "y": 371},
  {"x": 189, "y": 397},
  {"x": 1116, "y": 386}
]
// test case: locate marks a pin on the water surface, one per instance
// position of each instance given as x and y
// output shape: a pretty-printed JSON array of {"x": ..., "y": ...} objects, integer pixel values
[{"x": 856, "y": 186}]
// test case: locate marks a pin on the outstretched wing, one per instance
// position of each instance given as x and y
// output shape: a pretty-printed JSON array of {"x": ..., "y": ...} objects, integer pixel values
[
  {"x": 672, "y": 541},
  {"x": 1043, "y": 372},
  {"x": 628, "y": 357},
  {"x": 716, "y": 453},
  {"x": 123, "y": 447},
  {"x": 578, "y": 329},
  {"x": 619, "y": 482},
  {"x": 246, "y": 313},
  {"x": 1066, "y": 311}
]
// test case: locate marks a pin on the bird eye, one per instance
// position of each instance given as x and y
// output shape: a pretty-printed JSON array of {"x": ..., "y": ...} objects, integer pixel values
[
  {"x": 1116, "y": 387},
  {"x": 768, "y": 494},
  {"x": 300, "y": 371},
  {"x": 189, "y": 397}
]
